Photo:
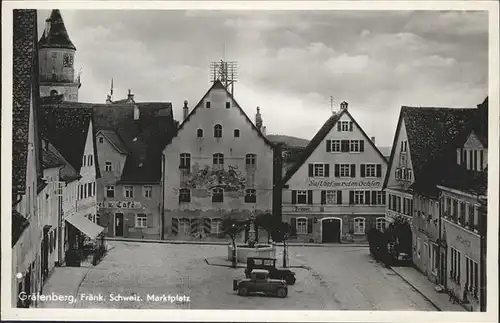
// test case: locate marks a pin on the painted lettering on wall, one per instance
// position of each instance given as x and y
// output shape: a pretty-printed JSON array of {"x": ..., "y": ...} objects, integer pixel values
[
  {"x": 119, "y": 204},
  {"x": 464, "y": 241},
  {"x": 329, "y": 183},
  {"x": 301, "y": 209}
]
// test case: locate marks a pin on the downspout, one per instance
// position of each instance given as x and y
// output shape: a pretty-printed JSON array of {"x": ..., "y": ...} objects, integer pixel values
[{"x": 162, "y": 202}]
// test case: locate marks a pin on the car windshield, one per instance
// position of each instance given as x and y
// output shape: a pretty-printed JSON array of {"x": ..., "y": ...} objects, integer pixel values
[{"x": 268, "y": 263}]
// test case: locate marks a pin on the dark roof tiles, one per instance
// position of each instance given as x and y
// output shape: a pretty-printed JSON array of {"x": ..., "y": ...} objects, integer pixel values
[
  {"x": 19, "y": 224},
  {"x": 58, "y": 35}
]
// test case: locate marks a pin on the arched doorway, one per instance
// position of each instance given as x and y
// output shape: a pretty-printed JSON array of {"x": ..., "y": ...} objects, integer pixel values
[{"x": 331, "y": 229}]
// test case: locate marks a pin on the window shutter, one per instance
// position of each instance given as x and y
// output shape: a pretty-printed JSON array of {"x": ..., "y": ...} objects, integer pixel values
[
  {"x": 379, "y": 170},
  {"x": 353, "y": 170},
  {"x": 350, "y": 126},
  {"x": 374, "y": 198},
  {"x": 481, "y": 160},
  {"x": 351, "y": 197},
  {"x": 361, "y": 145},
  {"x": 309, "y": 197},
  {"x": 362, "y": 170},
  {"x": 383, "y": 198},
  {"x": 328, "y": 146},
  {"x": 149, "y": 220},
  {"x": 337, "y": 170},
  {"x": 294, "y": 197},
  {"x": 327, "y": 170},
  {"x": 293, "y": 224},
  {"x": 339, "y": 197},
  {"x": 367, "y": 197},
  {"x": 175, "y": 226},
  {"x": 311, "y": 170},
  {"x": 207, "y": 225},
  {"x": 323, "y": 197},
  {"x": 194, "y": 226},
  {"x": 309, "y": 225},
  {"x": 339, "y": 127}
]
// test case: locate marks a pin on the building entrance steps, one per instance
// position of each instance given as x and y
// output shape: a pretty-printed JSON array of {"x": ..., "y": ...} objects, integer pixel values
[
  {"x": 63, "y": 284},
  {"x": 427, "y": 289}
]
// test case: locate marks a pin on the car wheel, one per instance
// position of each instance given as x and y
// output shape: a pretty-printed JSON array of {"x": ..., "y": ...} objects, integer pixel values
[
  {"x": 243, "y": 291},
  {"x": 281, "y": 292},
  {"x": 290, "y": 280}
]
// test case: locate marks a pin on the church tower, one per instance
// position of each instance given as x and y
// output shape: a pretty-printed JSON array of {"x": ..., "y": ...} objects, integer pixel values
[{"x": 57, "y": 52}]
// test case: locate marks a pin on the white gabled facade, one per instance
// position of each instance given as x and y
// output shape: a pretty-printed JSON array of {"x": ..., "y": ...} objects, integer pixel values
[{"x": 335, "y": 194}]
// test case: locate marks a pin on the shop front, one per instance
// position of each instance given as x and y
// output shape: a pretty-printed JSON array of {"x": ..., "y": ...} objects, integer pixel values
[{"x": 84, "y": 238}]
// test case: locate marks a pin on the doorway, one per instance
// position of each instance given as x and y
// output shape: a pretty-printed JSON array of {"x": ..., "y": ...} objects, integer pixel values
[
  {"x": 330, "y": 230},
  {"x": 119, "y": 225},
  {"x": 45, "y": 253}
]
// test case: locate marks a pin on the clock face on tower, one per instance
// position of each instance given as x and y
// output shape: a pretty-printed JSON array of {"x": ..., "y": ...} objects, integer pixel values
[{"x": 68, "y": 60}]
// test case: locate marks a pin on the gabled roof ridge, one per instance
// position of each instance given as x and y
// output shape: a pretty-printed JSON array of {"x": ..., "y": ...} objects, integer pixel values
[
  {"x": 218, "y": 84},
  {"x": 106, "y": 134}
]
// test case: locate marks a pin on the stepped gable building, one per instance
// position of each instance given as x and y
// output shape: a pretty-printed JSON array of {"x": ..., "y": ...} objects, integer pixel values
[
  {"x": 334, "y": 192},
  {"x": 463, "y": 198},
  {"x": 71, "y": 131},
  {"x": 219, "y": 164},
  {"x": 56, "y": 55},
  {"x": 26, "y": 159},
  {"x": 129, "y": 139},
  {"x": 424, "y": 148}
]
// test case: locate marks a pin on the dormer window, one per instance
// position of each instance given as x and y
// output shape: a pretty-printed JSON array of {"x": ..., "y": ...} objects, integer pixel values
[
  {"x": 101, "y": 140},
  {"x": 207, "y": 105}
]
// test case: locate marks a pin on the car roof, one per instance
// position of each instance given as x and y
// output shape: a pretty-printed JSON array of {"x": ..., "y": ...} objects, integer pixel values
[{"x": 260, "y": 271}]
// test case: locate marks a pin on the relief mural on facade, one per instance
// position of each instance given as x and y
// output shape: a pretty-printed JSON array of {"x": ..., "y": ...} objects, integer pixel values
[{"x": 230, "y": 179}]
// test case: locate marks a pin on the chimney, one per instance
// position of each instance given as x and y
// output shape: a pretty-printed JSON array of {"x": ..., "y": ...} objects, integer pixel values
[
  {"x": 258, "y": 119},
  {"x": 47, "y": 27},
  {"x": 373, "y": 140},
  {"x": 264, "y": 130},
  {"x": 185, "y": 110},
  {"x": 343, "y": 105}
]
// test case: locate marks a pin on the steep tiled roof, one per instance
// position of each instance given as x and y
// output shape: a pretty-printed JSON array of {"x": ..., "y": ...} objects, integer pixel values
[
  {"x": 19, "y": 224},
  {"x": 433, "y": 136},
  {"x": 58, "y": 35},
  {"x": 458, "y": 177},
  {"x": 115, "y": 141},
  {"x": 67, "y": 128},
  {"x": 288, "y": 141},
  {"x": 50, "y": 160},
  {"x": 319, "y": 137},
  {"x": 67, "y": 173},
  {"x": 151, "y": 132},
  {"x": 219, "y": 85},
  {"x": 25, "y": 72}
]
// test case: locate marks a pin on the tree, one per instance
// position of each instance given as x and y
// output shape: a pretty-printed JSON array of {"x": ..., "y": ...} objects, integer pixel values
[
  {"x": 399, "y": 232},
  {"x": 231, "y": 227},
  {"x": 281, "y": 232},
  {"x": 266, "y": 222}
]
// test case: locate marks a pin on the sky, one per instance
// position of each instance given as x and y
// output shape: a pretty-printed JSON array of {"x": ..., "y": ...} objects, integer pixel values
[{"x": 290, "y": 63}]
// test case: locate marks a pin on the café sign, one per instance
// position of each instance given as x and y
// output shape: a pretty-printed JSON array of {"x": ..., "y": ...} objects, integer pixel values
[
  {"x": 331, "y": 183},
  {"x": 119, "y": 205}
]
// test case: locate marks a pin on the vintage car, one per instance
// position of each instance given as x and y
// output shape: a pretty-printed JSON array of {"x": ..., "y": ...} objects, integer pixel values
[
  {"x": 269, "y": 264},
  {"x": 259, "y": 282}
]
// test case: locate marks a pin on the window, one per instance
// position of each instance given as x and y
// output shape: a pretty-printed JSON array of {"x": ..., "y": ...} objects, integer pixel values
[
  {"x": 418, "y": 247},
  {"x": 455, "y": 264},
  {"x": 345, "y": 170},
  {"x": 147, "y": 191},
  {"x": 218, "y": 195},
  {"x": 98, "y": 219},
  {"x": 207, "y": 105},
  {"x": 408, "y": 174},
  {"x": 218, "y": 131},
  {"x": 236, "y": 133},
  {"x": 184, "y": 195},
  {"x": 90, "y": 160},
  {"x": 216, "y": 226},
  {"x": 472, "y": 219},
  {"x": 250, "y": 160},
  {"x": 228, "y": 105},
  {"x": 359, "y": 197},
  {"x": 344, "y": 146},
  {"x": 370, "y": 170},
  {"x": 404, "y": 146},
  {"x": 141, "y": 220},
  {"x": 199, "y": 133},
  {"x": 108, "y": 166},
  {"x": 185, "y": 226},
  {"x": 250, "y": 196},
  {"x": 335, "y": 146},
  {"x": 101, "y": 140},
  {"x": 302, "y": 197},
  {"x": 218, "y": 159},
  {"x": 331, "y": 197},
  {"x": 185, "y": 161},
  {"x": 93, "y": 188},
  {"x": 461, "y": 216},
  {"x": 110, "y": 191},
  {"x": 454, "y": 213},
  {"x": 355, "y": 146},
  {"x": 379, "y": 198},
  {"x": 359, "y": 225},
  {"x": 128, "y": 191},
  {"x": 67, "y": 60},
  {"x": 434, "y": 258},
  {"x": 380, "y": 224},
  {"x": 343, "y": 125},
  {"x": 319, "y": 170},
  {"x": 471, "y": 276},
  {"x": 84, "y": 161},
  {"x": 301, "y": 226}
]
